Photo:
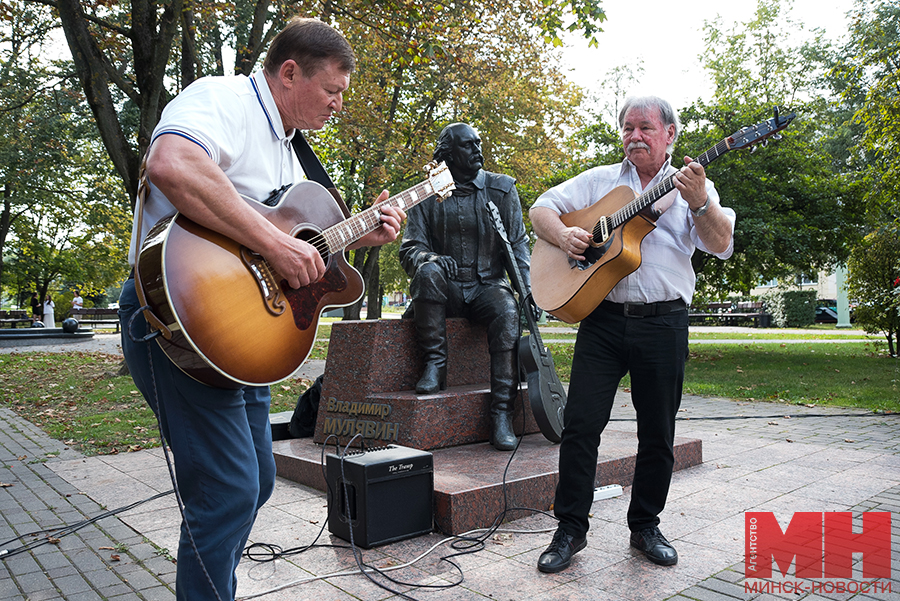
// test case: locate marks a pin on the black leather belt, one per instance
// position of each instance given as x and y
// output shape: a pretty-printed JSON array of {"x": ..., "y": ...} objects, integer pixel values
[{"x": 644, "y": 309}]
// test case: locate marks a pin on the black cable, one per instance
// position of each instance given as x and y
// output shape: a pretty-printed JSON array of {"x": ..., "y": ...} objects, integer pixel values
[
  {"x": 267, "y": 552},
  {"x": 62, "y": 531},
  {"x": 162, "y": 440},
  {"x": 463, "y": 545}
]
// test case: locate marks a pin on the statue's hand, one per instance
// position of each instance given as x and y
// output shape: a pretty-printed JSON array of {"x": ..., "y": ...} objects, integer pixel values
[{"x": 448, "y": 264}]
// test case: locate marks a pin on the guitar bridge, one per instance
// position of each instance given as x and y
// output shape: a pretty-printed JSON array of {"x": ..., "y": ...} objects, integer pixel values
[{"x": 265, "y": 279}]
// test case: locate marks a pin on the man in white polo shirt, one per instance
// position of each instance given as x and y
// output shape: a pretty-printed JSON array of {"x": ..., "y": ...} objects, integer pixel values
[{"x": 223, "y": 137}]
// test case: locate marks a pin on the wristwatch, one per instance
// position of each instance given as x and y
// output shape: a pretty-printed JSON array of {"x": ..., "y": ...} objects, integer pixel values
[{"x": 702, "y": 210}]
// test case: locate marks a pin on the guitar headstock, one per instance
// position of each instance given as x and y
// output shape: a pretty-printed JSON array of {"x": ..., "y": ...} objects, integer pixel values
[
  {"x": 749, "y": 137},
  {"x": 440, "y": 179}
]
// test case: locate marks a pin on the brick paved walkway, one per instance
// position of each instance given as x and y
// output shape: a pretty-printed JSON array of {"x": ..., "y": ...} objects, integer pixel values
[{"x": 757, "y": 457}]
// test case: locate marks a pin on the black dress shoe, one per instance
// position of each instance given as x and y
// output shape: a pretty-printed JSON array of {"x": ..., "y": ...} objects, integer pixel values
[
  {"x": 558, "y": 555},
  {"x": 655, "y": 546}
]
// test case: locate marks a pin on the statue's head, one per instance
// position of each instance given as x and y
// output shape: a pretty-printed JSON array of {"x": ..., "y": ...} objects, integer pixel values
[{"x": 459, "y": 145}]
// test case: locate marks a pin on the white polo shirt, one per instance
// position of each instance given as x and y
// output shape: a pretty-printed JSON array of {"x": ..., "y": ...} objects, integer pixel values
[
  {"x": 665, "y": 272},
  {"x": 235, "y": 121}
]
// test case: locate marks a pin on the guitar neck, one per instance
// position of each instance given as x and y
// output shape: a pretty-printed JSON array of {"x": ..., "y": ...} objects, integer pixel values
[
  {"x": 514, "y": 274},
  {"x": 343, "y": 234},
  {"x": 664, "y": 187}
]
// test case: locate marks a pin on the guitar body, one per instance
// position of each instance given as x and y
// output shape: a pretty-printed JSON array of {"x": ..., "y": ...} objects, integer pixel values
[
  {"x": 233, "y": 321},
  {"x": 545, "y": 392},
  {"x": 572, "y": 293}
]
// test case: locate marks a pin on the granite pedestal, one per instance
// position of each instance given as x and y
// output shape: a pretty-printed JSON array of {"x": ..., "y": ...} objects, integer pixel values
[
  {"x": 368, "y": 388},
  {"x": 468, "y": 479},
  {"x": 370, "y": 380}
]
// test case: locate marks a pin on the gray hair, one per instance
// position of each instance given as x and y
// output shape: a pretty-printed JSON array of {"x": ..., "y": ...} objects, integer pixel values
[{"x": 666, "y": 113}]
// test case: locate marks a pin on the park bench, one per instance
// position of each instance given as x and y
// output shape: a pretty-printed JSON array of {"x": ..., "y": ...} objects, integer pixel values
[
  {"x": 96, "y": 317},
  {"x": 727, "y": 313},
  {"x": 14, "y": 318}
]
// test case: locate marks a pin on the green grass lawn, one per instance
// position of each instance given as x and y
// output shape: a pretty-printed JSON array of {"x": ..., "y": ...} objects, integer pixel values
[
  {"x": 841, "y": 374},
  {"x": 77, "y": 398}
]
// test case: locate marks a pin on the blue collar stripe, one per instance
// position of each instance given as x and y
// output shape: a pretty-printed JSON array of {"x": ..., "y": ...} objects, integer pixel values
[{"x": 262, "y": 104}]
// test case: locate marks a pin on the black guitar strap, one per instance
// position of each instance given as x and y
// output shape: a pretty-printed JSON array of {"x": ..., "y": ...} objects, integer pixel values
[{"x": 314, "y": 170}]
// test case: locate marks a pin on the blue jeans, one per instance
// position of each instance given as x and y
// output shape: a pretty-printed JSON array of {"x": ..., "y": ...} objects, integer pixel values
[
  {"x": 221, "y": 441},
  {"x": 609, "y": 345}
]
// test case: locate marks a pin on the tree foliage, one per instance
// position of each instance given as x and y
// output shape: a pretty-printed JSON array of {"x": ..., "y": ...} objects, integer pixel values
[
  {"x": 798, "y": 209},
  {"x": 487, "y": 65},
  {"x": 873, "y": 278},
  {"x": 867, "y": 77},
  {"x": 59, "y": 217},
  {"x": 422, "y": 64}
]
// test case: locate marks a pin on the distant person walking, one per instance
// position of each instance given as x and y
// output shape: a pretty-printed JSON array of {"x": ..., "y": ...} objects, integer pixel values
[
  {"x": 77, "y": 301},
  {"x": 37, "y": 309},
  {"x": 49, "y": 306}
]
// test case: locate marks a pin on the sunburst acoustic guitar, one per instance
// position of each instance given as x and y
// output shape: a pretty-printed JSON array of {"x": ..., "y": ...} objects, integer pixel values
[
  {"x": 224, "y": 316},
  {"x": 618, "y": 222}
]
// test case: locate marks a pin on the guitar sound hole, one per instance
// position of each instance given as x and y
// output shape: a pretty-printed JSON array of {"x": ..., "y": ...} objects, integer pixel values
[
  {"x": 591, "y": 255},
  {"x": 313, "y": 237}
]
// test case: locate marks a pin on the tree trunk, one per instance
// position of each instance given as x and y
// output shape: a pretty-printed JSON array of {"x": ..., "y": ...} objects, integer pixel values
[
  {"x": 91, "y": 66},
  {"x": 353, "y": 312}
]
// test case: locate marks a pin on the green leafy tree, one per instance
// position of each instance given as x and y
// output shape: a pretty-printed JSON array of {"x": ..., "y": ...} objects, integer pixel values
[
  {"x": 798, "y": 208},
  {"x": 59, "y": 215},
  {"x": 127, "y": 51},
  {"x": 873, "y": 280},
  {"x": 867, "y": 77},
  {"x": 429, "y": 65},
  {"x": 127, "y": 55}
]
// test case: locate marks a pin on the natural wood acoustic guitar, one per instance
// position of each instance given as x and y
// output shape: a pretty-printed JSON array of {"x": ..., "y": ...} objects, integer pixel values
[
  {"x": 618, "y": 223},
  {"x": 224, "y": 316}
]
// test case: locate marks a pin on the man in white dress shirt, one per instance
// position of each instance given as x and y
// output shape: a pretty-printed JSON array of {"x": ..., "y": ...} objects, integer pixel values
[{"x": 641, "y": 327}]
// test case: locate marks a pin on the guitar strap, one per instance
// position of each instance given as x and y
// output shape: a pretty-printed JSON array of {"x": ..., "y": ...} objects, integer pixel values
[
  {"x": 154, "y": 321},
  {"x": 314, "y": 170}
]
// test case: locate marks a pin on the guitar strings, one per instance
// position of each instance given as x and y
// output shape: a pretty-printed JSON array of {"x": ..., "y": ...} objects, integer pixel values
[
  {"x": 367, "y": 217},
  {"x": 320, "y": 240},
  {"x": 656, "y": 192}
]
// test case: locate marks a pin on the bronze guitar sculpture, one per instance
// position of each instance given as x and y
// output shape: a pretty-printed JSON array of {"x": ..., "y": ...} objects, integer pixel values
[{"x": 545, "y": 392}]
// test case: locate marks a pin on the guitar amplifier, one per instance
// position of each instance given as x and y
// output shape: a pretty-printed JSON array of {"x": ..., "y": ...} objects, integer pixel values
[{"x": 384, "y": 495}]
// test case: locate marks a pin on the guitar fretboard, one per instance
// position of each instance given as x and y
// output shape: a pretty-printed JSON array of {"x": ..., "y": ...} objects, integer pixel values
[
  {"x": 343, "y": 234},
  {"x": 655, "y": 193}
]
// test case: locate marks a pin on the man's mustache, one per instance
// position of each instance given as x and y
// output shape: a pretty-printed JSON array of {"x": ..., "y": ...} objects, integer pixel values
[{"x": 638, "y": 146}]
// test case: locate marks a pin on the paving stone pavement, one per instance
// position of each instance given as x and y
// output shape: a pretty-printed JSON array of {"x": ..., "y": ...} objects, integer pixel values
[{"x": 761, "y": 457}]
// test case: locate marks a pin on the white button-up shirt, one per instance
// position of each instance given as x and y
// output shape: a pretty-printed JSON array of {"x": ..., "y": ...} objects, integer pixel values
[{"x": 665, "y": 272}]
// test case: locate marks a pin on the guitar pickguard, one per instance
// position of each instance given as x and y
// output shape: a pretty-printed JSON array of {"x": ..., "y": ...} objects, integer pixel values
[
  {"x": 305, "y": 301},
  {"x": 592, "y": 254}
]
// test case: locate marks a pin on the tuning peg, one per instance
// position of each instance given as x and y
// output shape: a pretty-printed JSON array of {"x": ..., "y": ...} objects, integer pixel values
[
  {"x": 752, "y": 149},
  {"x": 777, "y": 137}
]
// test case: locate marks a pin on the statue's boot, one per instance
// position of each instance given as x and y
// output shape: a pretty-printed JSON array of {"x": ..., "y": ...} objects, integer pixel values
[
  {"x": 504, "y": 389},
  {"x": 431, "y": 328}
]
